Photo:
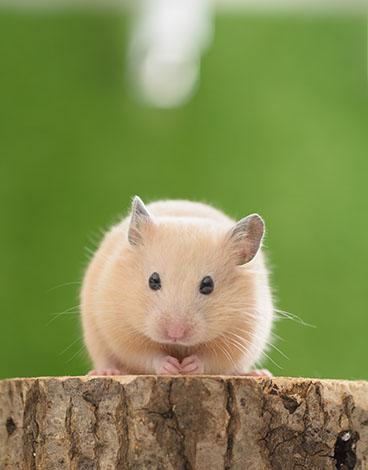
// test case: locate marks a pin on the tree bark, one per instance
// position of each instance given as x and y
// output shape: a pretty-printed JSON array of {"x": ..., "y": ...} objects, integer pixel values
[{"x": 149, "y": 422}]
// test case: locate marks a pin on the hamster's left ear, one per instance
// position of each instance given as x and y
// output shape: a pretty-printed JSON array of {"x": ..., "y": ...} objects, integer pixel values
[
  {"x": 246, "y": 237},
  {"x": 140, "y": 216}
]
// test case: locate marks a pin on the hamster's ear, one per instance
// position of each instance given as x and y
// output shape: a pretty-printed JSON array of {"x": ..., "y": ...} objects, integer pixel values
[
  {"x": 139, "y": 217},
  {"x": 246, "y": 238}
]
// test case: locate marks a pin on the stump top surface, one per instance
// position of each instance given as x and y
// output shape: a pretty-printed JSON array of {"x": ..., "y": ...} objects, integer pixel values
[{"x": 128, "y": 378}]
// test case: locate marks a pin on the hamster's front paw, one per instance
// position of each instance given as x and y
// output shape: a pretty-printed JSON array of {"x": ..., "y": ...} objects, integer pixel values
[
  {"x": 105, "y": 372},
  {"x": 192, "y": 365},
  {"x": 167, "y": 365}
]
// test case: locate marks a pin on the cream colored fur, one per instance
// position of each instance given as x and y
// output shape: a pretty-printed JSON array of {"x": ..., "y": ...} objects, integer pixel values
[{"x": 123, "y": 319}]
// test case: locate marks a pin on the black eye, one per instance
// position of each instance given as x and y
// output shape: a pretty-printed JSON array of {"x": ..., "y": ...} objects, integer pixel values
[
  {"x": 154, "y": 281},
  {"x": 206, "y": 286}
]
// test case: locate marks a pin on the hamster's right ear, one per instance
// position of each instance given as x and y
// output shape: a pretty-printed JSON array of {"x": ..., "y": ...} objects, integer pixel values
[
  {"x": 140, "y": 217},
  {"x": 246, "y": 238}
]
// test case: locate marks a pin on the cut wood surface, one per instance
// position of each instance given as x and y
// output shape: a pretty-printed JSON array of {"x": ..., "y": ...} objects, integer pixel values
[{"x": 149, "y": 422}]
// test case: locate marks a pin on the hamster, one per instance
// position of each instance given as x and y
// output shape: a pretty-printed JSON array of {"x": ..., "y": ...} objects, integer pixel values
[{"x": 178, "y": 287}]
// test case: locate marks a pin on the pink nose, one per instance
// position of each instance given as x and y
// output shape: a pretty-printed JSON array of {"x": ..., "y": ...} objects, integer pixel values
[{"x": 175, "y": 332}]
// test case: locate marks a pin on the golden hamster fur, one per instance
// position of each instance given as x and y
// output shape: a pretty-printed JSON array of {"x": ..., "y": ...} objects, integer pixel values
[{"x": 178, "y": 287}]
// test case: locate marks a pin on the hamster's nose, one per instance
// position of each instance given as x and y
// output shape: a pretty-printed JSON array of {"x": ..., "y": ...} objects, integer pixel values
[{"x": 176, "y": 332}]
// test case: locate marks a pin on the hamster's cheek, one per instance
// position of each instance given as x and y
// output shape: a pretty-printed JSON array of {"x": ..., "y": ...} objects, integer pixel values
[
  {"x": 199, "y": 332},
  {"x": 150, "y": 325}
]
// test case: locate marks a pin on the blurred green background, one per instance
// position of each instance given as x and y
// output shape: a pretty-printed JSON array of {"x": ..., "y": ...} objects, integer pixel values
[{"x": 278, "y": 126}]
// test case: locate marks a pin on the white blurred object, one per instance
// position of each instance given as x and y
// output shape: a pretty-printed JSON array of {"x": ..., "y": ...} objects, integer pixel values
[{"x": 168, "y": 39}]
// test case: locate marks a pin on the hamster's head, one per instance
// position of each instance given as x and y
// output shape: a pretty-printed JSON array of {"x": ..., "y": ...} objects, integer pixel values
[{"x": 183, "y": 280}]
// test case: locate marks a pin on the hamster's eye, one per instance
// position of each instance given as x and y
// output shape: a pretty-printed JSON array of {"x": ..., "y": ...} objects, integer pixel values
[
  {"x": 154, "y": 281},
  {"x": 206, "y": 286}
]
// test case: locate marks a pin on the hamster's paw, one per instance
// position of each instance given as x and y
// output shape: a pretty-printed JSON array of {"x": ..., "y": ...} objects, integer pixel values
[
  {"x": 192, "y": 365},
  {"x": 257, "y": 373},
  {"x": 105, "y": 372},
  {"x": 167, "y": 365}
]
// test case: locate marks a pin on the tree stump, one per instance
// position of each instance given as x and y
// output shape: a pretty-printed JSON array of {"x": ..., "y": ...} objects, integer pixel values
[{"x": 158, "y": 422}]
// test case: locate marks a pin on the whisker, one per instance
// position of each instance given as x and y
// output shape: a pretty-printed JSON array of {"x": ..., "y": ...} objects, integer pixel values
[
  {"x": 278, "y": 350},
  {"x": 268, "y": 357},
  {"x": 70, "y": 345},
  {"x": 80, "y": 350},
  {"x": 58, "y": 314},
  {"x": 292, "y": 316},
  {"x": 65, "y": 284},
  {"x": 241, "y": 347},
  {"x": 273, "y": 362},
  {"x": 254, "y": 335},
  {"x": 227, "y": 354}
]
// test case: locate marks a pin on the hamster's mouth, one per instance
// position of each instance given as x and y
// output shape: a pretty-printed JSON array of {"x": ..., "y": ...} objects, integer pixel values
[
  {"x": 188, "y": 342},
  {"x": 174, "y": 342}
]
